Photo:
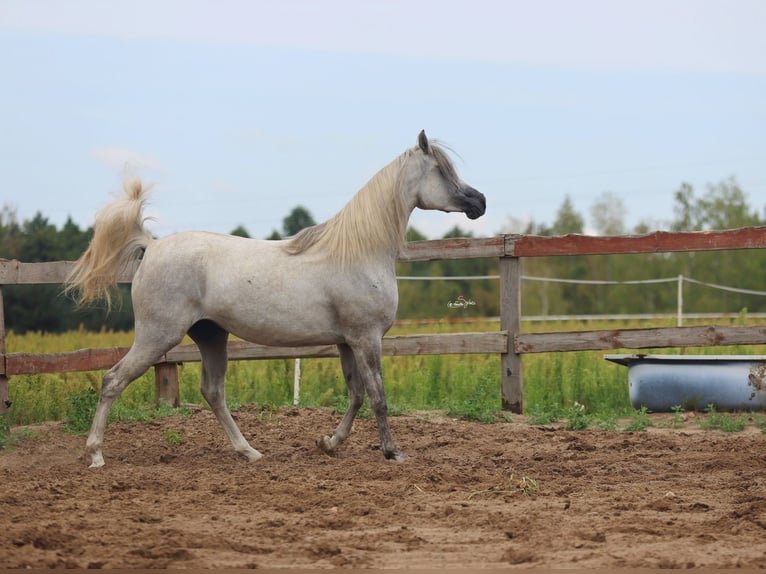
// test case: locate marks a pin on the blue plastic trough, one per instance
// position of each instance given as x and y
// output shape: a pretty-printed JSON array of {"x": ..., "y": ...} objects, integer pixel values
[{"x": 661, "y": 382}]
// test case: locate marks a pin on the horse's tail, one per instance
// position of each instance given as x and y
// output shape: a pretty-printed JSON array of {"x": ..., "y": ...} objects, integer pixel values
[{"x": 118, "y": 236}]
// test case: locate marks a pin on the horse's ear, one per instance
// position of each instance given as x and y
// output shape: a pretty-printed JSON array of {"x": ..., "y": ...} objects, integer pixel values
[{"x": 423, "y": 142}]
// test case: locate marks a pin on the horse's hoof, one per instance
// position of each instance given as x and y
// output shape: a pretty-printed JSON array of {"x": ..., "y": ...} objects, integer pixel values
[
  {"x": 252, "y": 455},
  {"x": 97, "y": 462},
  {"x": 325, "y": 444},
  {"x": 397, "y": 456}
]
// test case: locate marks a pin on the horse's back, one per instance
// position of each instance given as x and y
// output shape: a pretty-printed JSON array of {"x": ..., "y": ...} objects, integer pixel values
[{"x": 201, "y": 264}]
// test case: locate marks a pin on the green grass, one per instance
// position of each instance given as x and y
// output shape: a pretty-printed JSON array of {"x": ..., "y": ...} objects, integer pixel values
[
  {"x": 173, "y": 437},
  {"x": 82, "y": 407},
  {"x": 9, "y": 440},
  {"x": 576, "y": 417},
  {"x": 478, "y": 402},
  {"x": 728, "y": 422},
  {"x": 465, "y": 386},
  {"x": 678, "y": 414},
  {"x": 639, "y": 420}
]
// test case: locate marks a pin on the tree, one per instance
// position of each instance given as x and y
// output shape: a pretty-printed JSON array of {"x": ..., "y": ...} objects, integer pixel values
[
  {"x": 607, "y": 214},
  {"x": 686, "y": 216},
  {"x": 40, "y": 242},
  {"x": 298, "y": 219},
  {"x": 567, "y": 219},
  {"x": 72, "y": 240},
  {"x": 457, "y": 232},
  {"x": 723, "y": 206},
  {"x": 414, "y": 235},
  {"x": 240, "y": 231},
  {"x": 10, "y": 233}
]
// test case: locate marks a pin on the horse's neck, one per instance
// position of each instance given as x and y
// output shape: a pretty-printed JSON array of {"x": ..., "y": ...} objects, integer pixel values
[
  {"x": 376, "y": 218},
  {"x": 371, "y": 227}
]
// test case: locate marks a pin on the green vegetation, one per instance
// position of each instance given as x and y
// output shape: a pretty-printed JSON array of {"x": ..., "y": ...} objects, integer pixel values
[
  {"x": 576, "y": 417},
  {"x": 577, "y": 390},
  {"x": 480, "y": 403},
  {"x": 639, "y": 420},
  {"x": 9, "y": 440},
  {"x": 82, "y": 407},
  {"x": 173, "y": 437},
  {"x": 678, "y": 417},
  {"x": 728, "y": 422}
]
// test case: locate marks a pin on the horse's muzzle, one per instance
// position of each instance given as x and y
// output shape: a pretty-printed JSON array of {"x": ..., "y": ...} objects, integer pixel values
[{"x": 475, "y": 204}]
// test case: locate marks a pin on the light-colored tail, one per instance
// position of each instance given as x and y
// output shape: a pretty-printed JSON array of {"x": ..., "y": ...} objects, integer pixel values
[{"x": 118, "y": 236}]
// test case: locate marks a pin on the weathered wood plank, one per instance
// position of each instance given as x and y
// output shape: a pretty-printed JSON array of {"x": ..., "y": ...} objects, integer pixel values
[
  {"x": 4, "y": 403},
  {"x": 703, "y": 336},
  {"x": 424, "y": 344},
  {"x": 656, "y": 242},
  {"x": 511, "y": 366},
  {"x": 81, "y": 360},
  {"x": 99, "y": 359},
  {"x": 13, "y": 272},
  {"x": 491, "y": 342},
  {"x": 244, "y": 350},
  {"x": 456, "y": 248},
  {"x": 2, "y": 343},
  {"x": 166, "y": 387}
]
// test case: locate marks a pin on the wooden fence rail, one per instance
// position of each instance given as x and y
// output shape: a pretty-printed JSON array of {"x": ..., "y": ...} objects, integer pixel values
[{"x": 509, "y": 342}]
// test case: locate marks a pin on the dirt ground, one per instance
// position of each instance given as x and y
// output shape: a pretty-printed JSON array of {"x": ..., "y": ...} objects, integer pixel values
[{"x": 471, "y": 495}]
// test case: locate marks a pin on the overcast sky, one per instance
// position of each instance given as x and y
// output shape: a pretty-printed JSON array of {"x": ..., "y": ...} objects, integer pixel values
[{"x": 237, "y": 111}]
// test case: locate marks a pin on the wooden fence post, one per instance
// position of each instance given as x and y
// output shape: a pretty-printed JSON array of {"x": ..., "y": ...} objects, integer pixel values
[
  {"x": 4, "y": 403},
  {"x": 510, "y": 321},
  {"x": 166, "y": 384}
]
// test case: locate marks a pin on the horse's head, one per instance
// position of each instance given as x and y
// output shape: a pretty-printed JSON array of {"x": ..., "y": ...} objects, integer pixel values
[{"x": 434, "y": 183}]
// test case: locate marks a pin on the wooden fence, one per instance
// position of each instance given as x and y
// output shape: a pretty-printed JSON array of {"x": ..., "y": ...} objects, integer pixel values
[{"x": 509, "y": 341}]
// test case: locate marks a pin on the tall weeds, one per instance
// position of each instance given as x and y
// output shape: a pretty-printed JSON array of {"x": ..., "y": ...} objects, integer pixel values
[{"x": 467, "y": 385}]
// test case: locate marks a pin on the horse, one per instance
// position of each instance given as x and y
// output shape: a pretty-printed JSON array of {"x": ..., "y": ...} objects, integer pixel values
[{"x": 330, "y": 284}]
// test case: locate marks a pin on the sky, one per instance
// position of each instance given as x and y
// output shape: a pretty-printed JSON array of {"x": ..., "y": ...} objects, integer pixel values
[{"x": 238, "y": 111}]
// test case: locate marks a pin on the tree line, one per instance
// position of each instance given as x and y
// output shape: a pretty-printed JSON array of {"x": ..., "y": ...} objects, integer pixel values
[{"x": 721, "y": 206}]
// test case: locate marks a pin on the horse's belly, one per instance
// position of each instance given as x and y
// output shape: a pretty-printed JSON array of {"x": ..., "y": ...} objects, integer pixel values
[
  {"x": 285, "y": 333},
  {"x": 298, "y": 317},
  {"x": 293, "y": 319}
]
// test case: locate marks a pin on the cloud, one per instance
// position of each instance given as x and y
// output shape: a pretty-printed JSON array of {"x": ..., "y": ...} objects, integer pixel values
[{"x": 122, "y": 159}]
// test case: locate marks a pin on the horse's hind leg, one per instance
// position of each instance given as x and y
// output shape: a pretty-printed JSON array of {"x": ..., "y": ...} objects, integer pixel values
[
  {"x": 130, "y": 367},
  {"x": 211, "y": 340},
  {"x": 355, "y": 400}
]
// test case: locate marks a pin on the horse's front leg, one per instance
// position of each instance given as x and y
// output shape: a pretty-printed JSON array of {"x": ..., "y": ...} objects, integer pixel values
[
  {"x": 368, "y": 362},
  {"x": 329, "y": 443}
]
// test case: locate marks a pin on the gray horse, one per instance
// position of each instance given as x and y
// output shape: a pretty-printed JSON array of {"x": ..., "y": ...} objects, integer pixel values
[{"x": 333, "y": 283}]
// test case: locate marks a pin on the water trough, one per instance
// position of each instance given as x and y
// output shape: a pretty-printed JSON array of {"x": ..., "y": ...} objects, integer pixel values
[{"x": 661, "y": 382}]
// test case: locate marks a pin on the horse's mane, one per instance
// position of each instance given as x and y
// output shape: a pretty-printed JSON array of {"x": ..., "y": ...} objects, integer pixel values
[{"x": 376, "y": 217}]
